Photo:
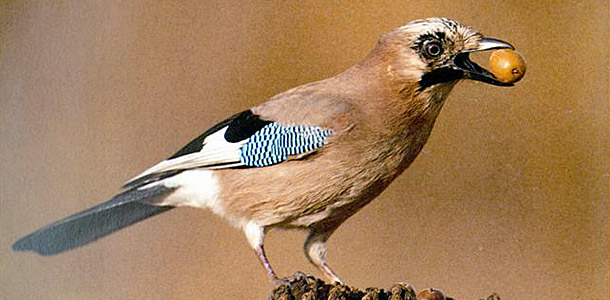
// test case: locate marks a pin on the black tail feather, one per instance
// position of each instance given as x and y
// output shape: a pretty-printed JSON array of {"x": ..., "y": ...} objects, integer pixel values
[{"x": 96, "y": 222}]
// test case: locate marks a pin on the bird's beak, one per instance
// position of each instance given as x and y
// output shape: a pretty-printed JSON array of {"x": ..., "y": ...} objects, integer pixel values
[{"x": 473, "y": 71}]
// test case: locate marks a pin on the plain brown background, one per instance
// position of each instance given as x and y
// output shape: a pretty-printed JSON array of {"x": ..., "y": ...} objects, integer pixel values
[{"x": 510, "y": 195}]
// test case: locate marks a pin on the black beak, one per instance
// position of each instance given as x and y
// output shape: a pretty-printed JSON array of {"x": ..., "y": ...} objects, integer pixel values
[{"x": 473, "y": 71}]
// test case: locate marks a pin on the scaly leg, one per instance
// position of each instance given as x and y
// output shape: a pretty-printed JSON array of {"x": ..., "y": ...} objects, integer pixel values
[
  {"x": 260, "y": 252},
  {"x": 255, "y": 235},
  {"x": 315, "y": 251}
]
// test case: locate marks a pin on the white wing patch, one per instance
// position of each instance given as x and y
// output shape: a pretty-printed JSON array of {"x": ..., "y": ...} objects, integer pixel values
[{"x": 215, "y": 153}]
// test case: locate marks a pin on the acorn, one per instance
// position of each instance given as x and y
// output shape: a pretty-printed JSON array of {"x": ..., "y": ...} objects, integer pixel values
[
  {"x": 430, "y": 294},
  {"x": 507, "y": 65}
]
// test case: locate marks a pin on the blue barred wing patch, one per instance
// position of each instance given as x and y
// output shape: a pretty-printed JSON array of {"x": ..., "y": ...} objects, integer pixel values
[{"x": 275, "y": 143}]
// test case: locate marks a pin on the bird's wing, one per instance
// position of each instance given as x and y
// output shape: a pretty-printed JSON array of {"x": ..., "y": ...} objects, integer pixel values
[{"x": 244, "y": 140}]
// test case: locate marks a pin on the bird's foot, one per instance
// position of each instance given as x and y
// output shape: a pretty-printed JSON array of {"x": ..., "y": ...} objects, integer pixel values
[
  {"x": 297, "y": 276},
  {"x": 277, "y": 282}
]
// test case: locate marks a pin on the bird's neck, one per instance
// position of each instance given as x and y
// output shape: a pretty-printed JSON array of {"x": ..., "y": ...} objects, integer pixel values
[
  {"x": 397, "y": 111},
  {"x": 391, "y": 95}
]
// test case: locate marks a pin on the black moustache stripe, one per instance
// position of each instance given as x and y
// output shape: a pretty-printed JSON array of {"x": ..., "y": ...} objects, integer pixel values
[{"x": 440, "y": 75}]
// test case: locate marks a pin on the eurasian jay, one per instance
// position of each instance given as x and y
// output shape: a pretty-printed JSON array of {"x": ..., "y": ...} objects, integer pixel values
[{"x": 308, "y": 158}]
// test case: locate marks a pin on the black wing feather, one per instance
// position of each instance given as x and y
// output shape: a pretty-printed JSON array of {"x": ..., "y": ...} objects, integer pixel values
[
  {"x": 240, "y": 127},
  {"x": 244, "y": 126},
  {"x": 196, "y": 144}
]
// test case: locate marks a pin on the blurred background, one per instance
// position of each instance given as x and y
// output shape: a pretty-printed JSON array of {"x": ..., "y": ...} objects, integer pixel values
[{"x": 510, "y": 195}]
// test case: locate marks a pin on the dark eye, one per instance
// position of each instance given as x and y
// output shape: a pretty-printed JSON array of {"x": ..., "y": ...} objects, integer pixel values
[{"x": 433, "y": 49}]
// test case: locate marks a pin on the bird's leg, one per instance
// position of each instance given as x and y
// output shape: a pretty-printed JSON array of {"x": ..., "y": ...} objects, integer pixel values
[
  {"x": 255, "y": 235},
  {"x": 260, "y": 252},
  {"x": 315, "y": 251}
]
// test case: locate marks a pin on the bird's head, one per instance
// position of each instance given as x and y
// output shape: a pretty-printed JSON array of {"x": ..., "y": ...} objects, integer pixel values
[{"x": 435, "y": 52}]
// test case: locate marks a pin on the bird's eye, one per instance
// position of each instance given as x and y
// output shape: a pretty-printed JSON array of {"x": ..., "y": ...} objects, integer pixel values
[{"x": 433, "y": 49}]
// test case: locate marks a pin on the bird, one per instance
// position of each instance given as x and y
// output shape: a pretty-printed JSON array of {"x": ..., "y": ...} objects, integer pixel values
[{"x": 308, "y": 158}]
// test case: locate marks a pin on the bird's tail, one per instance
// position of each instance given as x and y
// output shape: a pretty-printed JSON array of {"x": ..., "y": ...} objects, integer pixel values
[{"x": 96, "y": 222}]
